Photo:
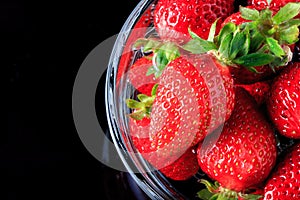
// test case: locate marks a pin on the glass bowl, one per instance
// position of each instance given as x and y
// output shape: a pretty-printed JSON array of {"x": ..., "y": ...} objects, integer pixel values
[{"x": 117, "y": 90}]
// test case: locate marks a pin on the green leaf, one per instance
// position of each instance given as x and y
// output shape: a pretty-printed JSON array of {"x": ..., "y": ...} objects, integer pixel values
[
  {"x": 212, "y": 31},
  {"x": 289, "y": 35},
  {"x": 161, "y": 62},
  {"x": 265, "y": 15},
  {"x": 138, "y": 114},
  {"x": 154, "y": 89},
  {"x": 146, "y": 100},
  {"x": 292, "y": 22},
  {"x": 289, "y": 11},
  {"x": 246, "y": 47},
  {"x": 140, "y": 42},
  {"x": 197, "y": 46},
  {"x": 263, "y": 49},
  {"x": 224, "y": 48},
  {"x": 147, "y": 44},
  {"x": 151, "y": 45},
  {"x": 133, "y": 104},
  {"x": 279, "y": 62},
  {"x": 194, "y": 46},
  {"x": 250, "y": 196},
  {"x": 237, "y": 44},
  {"x": 275, "y": 48},
  {"x": 227, "y": 29},
  {"x": 249, "y": 14},
  {"x": 254, "y": 59},
  {"x": 256, "y": 41},
  {"x": 204, "y": 194},
  {"x": 170, "y": 50}
]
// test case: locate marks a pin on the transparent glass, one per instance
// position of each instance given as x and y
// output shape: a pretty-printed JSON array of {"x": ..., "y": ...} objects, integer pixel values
[{"x": 152, "y": 182}]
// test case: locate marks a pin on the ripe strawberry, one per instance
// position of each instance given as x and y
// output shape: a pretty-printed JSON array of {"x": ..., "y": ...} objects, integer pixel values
[
  {"x": 259, "y": 90},
  {"x": 284, "y": 182},
  {"x": 194, "y": 96},
  {"x": 245, "y": 152},
  {"x": 284, "y": 101},
  {"x": 275, "y": 5},
  {"x": 241, "y": 74},
  {"x": 172, "y": 18},
  {"x": 181, "y": 168},
  {"x": 138, "y": 75}
]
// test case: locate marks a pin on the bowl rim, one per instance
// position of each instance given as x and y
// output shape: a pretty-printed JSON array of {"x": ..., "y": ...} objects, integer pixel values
[{"x": 151, "y": 184}]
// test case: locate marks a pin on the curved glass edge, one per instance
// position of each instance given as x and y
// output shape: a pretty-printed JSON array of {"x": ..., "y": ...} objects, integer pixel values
[{"x": 153, "y": 186}]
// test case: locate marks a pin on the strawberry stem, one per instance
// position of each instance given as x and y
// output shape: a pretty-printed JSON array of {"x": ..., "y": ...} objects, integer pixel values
[
  {"x": 142, "y": 107},
  {"x": 217, "y": 192}
]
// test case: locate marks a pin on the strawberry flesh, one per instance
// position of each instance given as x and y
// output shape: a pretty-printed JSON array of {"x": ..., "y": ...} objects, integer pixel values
[
  {"x": 284, "y": 102},
  {"x": 172, "y": 18},
  {"x": 284, "y": 182}
]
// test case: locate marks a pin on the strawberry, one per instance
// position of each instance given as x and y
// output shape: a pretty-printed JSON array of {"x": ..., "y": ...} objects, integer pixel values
[
  {"x": 193, "y": 97},
  {"x": 242, "y": 74},
  {"x": 172, "y": 18},
  {"x": 284, "y": 101},
  {"x": 284, "y": 182},
  {"x": 181, "y": 168},
  {"x": 244, "y": 153},
  {"x": 259, "y": 90}
]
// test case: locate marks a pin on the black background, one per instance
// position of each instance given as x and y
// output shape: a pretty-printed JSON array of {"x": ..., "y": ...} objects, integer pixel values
[{"x": 43, "y": 45}]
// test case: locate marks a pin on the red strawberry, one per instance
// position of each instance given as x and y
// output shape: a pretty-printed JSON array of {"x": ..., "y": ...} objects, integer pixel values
[
  {"x": 138, "y": 75},
  {"x": 194, "y": 96},
  {"x": 181, "y": 168},
  {"x": 284, "y": 182},
  {"x": 284, "y": 101},
  {"x": 245, "y": 152},
  {"x": 260, "y": 38},
  {"x": 172, "y": 18},
  {"x": 243, "y": 75},
  {"x": 259, "y": 90},
  {"x": 275, "y": 5}
]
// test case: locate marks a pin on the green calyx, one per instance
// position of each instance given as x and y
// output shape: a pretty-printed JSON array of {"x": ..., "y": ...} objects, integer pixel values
[
  {"x": 142, "y": 106},
  {"x": 262, "y": 40},
  {"x": 163, "y": 54},
  {"x": 282, "y": 26},
  {"x": 216, "y": 192}
]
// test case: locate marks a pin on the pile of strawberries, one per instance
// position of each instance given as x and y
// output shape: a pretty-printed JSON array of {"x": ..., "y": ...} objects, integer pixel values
[{"x": 218, "y": 91}]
